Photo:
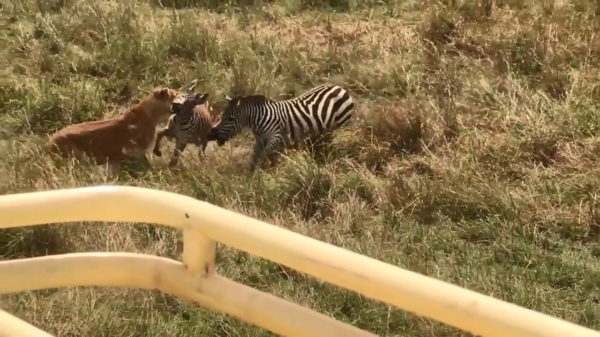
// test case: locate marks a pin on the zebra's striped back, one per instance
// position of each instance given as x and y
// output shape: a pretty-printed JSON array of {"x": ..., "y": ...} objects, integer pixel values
[{"x": 330, "y": 107}]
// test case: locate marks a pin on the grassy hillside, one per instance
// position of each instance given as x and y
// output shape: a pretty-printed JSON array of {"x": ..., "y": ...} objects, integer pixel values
[{"x": 477, "y": 163}]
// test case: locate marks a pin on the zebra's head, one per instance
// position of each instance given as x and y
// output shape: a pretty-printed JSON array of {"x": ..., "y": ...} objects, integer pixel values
[
  {"x": 228, "y": 126},
  {"x": 235, "y": 117},
  {"x": 188, "y": 102}
]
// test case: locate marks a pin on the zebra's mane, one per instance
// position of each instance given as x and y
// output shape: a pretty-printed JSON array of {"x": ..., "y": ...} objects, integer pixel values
[{"x": 251, "y": 100}]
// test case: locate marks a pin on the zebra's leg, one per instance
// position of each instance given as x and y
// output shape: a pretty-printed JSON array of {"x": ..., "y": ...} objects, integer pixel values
[
  {"x": 203, "y": 145},
  {"x": 274, "y": 157},
  {"x": 274, "y": 148},
  {"x": 159, "y": 136},
  {"x": 277, "y": 146},
  {"x": 287, "y": 141},
  {"x": 180, "y": 145},
  {"x": 259, "y": 153}
]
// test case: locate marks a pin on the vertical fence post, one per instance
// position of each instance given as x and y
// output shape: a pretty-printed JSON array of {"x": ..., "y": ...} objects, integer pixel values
[{"x": 199, "y": 252}]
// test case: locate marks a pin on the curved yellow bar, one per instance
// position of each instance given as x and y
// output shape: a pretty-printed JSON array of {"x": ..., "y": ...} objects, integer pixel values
[
  {"x": 169, "y": 276},
  {"x": 10, "y": 326},
  {"x": 195, "y": 279}
]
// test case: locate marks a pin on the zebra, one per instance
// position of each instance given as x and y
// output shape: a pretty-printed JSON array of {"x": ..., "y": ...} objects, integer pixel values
[
  {"x": 190, "y": 123},
  {"x": 276, "y": 124}
]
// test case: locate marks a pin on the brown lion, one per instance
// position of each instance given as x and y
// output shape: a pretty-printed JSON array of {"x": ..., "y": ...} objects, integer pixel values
[{"x": 117, "y": 140}]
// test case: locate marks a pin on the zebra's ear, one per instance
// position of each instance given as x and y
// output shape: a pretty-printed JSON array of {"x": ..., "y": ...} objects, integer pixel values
[
  {"x": 192, "y": 86},
  {"x": 200, "y": 98}
]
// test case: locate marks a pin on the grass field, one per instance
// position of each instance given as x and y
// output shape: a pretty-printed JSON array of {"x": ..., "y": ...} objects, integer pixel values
[{"x": 476, "y": 163}]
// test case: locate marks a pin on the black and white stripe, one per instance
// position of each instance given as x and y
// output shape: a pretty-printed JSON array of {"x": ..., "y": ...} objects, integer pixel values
[
  {"x": 190, "y": 123},
  {"x": 276, "y": 124}
]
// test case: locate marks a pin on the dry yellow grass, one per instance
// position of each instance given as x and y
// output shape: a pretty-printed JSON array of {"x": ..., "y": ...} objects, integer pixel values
[{"x": 476, "y": 163}]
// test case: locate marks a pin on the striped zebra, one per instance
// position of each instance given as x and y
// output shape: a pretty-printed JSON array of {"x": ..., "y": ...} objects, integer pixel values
[
  {"x": 190, "y": 123},
  {"x": 276, "y": 124}
]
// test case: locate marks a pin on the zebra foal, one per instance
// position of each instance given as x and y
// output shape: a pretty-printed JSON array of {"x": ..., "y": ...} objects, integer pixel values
[
  {"x": 189, "y": 123},
  {"x": 276, "y": 124}
]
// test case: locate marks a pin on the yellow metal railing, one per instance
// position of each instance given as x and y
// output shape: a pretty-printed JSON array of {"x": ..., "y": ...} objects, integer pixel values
[{"x": 195, "y": 279}]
